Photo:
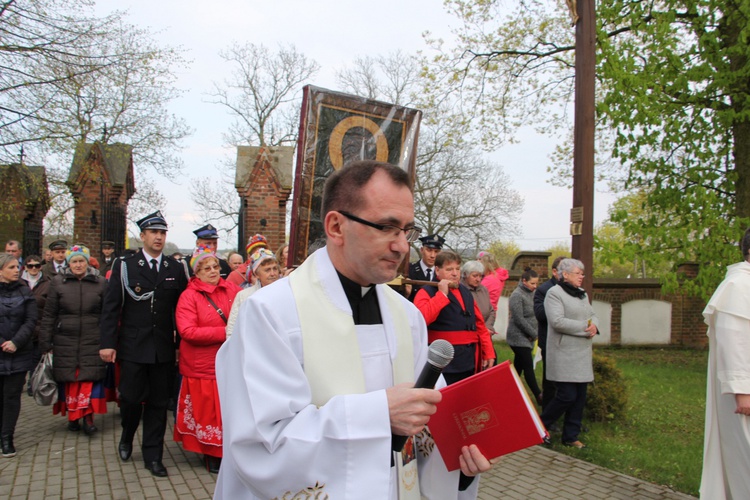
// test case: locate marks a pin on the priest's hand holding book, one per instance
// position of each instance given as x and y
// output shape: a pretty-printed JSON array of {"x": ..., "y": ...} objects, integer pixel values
[{"x": 410, "y": 410}]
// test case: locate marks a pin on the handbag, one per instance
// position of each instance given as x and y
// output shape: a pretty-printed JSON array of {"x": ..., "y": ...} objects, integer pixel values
[{"x": 43, "y": 385}]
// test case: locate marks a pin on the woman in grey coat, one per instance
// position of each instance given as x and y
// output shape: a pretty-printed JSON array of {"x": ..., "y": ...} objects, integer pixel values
[
  {"x": 571, "y": 326},
  {"x": 522, "y": 329}
]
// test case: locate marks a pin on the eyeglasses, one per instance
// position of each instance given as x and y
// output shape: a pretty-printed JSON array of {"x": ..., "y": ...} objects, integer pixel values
[
  {"x": 33, "y": 266},
  {"x": 580, "y": 273},
  {"x": 412, "y": 233}
]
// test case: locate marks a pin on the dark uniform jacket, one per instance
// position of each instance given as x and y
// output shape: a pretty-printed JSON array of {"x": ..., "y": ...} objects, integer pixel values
[
  {"x": 416, "y": 273},
  {"x": 142, "y": 331},
  {"x": 70, "y": 326}
]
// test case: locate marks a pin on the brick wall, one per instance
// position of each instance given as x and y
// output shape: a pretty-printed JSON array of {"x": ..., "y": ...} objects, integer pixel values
[{"x": 688, "y": 328}]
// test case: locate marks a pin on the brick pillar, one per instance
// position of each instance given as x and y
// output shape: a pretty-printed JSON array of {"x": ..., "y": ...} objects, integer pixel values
[
  {"x": 101, "y": 182},
  {"x": 264, "y": 183}
]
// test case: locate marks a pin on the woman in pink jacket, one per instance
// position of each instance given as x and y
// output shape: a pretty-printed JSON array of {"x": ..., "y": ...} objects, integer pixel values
[
  {"x": 494, "y": 277},
  {"x": 201, "y": 321}
]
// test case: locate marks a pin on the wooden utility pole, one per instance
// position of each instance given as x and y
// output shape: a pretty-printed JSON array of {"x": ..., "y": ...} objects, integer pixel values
[{"x": 582, "y": 214}]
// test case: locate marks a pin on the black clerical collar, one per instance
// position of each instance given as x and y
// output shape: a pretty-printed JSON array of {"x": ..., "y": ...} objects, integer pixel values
[{"x": 365, "y": 307}]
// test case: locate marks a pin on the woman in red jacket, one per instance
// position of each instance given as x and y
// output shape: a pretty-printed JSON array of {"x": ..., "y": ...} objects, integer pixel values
[{"x": 201, "y": 320}]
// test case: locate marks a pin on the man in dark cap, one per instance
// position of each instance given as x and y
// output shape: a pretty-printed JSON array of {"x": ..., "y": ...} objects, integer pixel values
[
  {"x": 57, "y": 264},
  {"x": 138, "y": 330},
  {"x": 208, "y": 237},
  {"x": 108, "y": 257},
  {"x": 424, "y": 268}
]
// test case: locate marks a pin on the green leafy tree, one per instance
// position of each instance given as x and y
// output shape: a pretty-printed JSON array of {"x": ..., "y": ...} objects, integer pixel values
[
  {"x": 619, "y": 253},
  {"x": 673, "y": 86}
]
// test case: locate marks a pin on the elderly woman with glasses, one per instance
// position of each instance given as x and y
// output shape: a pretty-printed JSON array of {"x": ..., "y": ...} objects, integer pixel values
[
  {"x": 201, "y": 319},
  {"x": 571, "y": 324}
]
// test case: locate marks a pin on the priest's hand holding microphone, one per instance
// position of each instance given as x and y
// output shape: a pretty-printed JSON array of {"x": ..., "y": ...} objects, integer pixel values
[{"x": 410, "y": 408}]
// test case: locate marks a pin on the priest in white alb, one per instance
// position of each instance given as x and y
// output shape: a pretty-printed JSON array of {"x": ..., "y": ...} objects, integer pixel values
[
  {"x": 319, "y": 373},
  {"x": 726, "y": 454}
]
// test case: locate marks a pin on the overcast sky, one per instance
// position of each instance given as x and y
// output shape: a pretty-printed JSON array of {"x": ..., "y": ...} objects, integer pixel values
[{"x": 333, "y": 33}]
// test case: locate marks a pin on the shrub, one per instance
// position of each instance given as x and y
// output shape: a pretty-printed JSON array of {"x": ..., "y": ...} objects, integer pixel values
[{"x": 607, "y": 397}]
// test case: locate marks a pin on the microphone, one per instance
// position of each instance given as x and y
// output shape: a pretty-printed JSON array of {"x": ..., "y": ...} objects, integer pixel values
[{"x": 439, "y": 355}]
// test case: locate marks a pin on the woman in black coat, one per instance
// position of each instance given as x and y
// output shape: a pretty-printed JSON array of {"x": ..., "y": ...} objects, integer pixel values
[
  {"x": 18, "y": 316},
  {"x": 70, "y": 328}
]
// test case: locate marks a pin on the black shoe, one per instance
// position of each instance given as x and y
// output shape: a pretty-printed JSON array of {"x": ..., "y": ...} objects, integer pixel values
[
  {"x": 74, "y": 426},
  {"x": 212, "y": 463},
  {"x": 88, "y": 426},
  {"x": 546, "y": 441},
  {"x": 157, "y": 469},
  {"x": 8, "y": 449},
  {"x": 125, "y": 450}
]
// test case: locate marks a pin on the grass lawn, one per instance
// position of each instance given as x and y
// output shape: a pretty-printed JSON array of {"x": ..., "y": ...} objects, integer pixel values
[{"x": 661, "y": 438}]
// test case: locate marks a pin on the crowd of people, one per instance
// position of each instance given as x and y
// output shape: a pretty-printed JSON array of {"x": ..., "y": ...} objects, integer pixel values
[
  {"x": 157, "y": 328},
  {"x": 464, "y": 313},
  {"x": 115, "y": 328}
]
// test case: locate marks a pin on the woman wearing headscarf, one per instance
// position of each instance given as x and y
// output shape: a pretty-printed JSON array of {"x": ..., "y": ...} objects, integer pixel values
[
  {"x": 265, "y": 269},
  {"x": 201, "y": 321},
  {"x": 70, "y": 329},
  {"x": 243, "y": 275},
  {"x": 18, "y": 314}
]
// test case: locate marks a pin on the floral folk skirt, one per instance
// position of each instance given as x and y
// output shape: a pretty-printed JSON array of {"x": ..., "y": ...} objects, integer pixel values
[
  {"x": 198, "y": 425},
  {"x": 79, "y": 399}
]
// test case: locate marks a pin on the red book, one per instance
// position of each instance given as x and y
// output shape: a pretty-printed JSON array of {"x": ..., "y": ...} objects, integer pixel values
[{"x": 491, "y": 410}]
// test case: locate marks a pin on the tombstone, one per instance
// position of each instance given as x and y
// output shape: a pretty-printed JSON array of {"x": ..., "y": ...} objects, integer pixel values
[
  {"x": 101, "y": 182},
  {"x": 24, "y": 202},
  {"x": 264, "y": 181}
]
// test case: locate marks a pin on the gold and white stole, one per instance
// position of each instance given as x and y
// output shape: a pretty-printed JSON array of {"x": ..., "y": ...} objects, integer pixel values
[{"x": 331, "y": 352}]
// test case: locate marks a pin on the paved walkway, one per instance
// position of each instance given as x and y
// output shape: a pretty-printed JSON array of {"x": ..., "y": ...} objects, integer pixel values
[{"x": 54, "y": 463}]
